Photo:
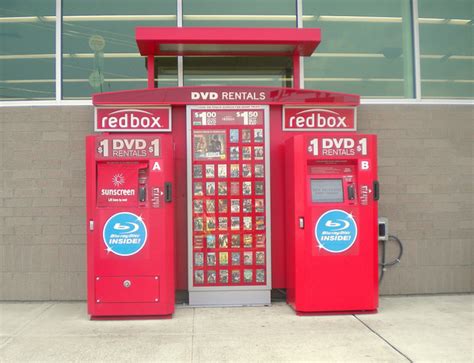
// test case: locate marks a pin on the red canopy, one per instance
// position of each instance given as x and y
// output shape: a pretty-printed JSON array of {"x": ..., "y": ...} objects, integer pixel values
[
  {"x": 173, "y": 41},
  {"x": 227, "y": 41}
]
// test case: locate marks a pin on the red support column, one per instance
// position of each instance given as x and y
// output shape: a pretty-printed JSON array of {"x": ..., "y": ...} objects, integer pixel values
[
  {"x": 151, "y": 71},
  {"x": 296, "y": 71}
]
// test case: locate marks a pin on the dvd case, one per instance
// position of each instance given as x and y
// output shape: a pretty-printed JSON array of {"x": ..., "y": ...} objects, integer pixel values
[
  {"x": 223, "y": 241},
  {"x": 248, "y": 276},
  {"x": 211, "y": 241},
  {"x": 197, "y": 171},
  {"x": 222, "y": 208},
  {"x": 222, "y": 171}
]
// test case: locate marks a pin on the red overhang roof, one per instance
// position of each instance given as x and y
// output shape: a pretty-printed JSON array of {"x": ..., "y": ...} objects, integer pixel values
[{"x": 172, "y": 41}]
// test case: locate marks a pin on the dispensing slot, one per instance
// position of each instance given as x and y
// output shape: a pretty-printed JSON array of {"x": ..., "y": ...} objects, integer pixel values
[
  {"x": 142, "y": 194},
  {"x": 376, "y": 190},
  {"x": 168, "y": 191},
  {"x": 350, "y": 192}
]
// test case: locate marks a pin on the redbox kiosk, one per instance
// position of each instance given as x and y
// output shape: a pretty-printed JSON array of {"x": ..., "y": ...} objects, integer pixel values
[
  {"x": 230, "y": 194},
  {"x": 332, "y": 193},
  {"x": 130, "y": 238}
]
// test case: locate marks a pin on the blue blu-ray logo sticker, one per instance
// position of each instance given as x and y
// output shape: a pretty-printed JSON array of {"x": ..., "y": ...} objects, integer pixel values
[
  {"x": 125, "y": 234},
  {"x": 335, "y": 231}
]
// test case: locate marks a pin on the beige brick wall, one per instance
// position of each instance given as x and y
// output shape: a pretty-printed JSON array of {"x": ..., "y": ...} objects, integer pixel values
[
  {"x": 426, "y": 174},
  {"x": 42, "y": 199}
]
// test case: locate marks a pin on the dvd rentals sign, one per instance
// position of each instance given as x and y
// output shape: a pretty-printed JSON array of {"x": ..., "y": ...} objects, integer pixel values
[
  {"x": 319, "y": 119},
  {"x": 338, "y": 146},
  {"x": 136, "y": 119},
  {"x": 127, "y": 147}
]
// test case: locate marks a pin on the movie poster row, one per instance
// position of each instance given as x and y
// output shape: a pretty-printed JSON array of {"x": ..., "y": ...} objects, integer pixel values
[
  {"x": 236, "y": 223},
  {"x": 226, "y": 276},
  {"x": 224, "y": 188},
  {"x": 212, "y": 144},
  {"x": 221, "y": 241},
  {"x": 224, "y": 258},
  {"x": 233, "y": 171},
  {"x": 233, "y": 205}
]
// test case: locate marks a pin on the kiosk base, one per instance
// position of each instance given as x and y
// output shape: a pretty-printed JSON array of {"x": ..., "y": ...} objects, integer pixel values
[
  {"x": 230, "y": 298},
  {"x": 132, "y": 317},
  {"x": 348, "y": 312}
]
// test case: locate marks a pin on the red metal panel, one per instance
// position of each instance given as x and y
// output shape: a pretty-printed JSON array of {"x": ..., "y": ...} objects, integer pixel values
[
  {"x": 226, "y": 41},
  {"x": 127, "y": 289},
  {"x": 181, "y": 231},
  {"x": 296, "y": 71},
  {"x": 151, "y": 70},
  {"x": 277, "y": 169}
]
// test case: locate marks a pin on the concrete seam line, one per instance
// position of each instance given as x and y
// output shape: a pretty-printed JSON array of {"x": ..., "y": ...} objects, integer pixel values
[
  {"x": 192, "y": 336},
  {"x": 385, "y": 340}
]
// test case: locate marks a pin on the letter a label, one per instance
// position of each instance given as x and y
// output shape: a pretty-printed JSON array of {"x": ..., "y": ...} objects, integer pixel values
[{"x": 156, "y": 166}]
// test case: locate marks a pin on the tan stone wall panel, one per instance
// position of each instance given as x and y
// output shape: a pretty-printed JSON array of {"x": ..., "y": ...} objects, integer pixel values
[{"x": 425, "y": 169}]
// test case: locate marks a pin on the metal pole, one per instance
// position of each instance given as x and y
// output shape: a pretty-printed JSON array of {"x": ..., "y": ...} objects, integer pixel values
[
  {"x": 416, "y": 46},
  {"x": 59, "y": 48}
]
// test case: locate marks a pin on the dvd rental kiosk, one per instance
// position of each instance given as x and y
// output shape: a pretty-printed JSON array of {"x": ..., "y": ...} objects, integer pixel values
[
  {"x": 130, "y": 225},
  {"x": 332, "y": 194},
  {"x": 228, "y": 159}
]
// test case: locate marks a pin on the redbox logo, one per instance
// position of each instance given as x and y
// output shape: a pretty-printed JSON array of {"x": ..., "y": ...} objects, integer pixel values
[
  {"x": 133, "y": 120},
  {"x": 319, "y": 119}
]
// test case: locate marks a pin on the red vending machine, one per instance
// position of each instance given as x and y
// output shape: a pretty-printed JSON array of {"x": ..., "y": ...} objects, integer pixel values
[
  {"x": 130, "y": 236},
  {"x": 332, "y": 194}
]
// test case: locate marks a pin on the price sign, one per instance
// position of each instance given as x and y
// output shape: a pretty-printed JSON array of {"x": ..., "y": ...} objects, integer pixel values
[{"x": 127, "y": 147}]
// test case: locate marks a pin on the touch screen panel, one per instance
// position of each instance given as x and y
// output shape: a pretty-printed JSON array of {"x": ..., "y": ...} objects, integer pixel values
[{"x": 326, "y": 191}]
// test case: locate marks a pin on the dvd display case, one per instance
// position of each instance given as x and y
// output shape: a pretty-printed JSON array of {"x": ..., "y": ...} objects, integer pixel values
[{"x": 228, "y": 175}]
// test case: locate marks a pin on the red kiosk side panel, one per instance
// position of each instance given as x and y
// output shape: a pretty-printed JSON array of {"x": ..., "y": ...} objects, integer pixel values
[{"x": 334, "y": 266}]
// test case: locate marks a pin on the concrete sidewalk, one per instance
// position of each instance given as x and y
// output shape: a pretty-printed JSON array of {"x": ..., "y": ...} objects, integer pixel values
[{"x": 419, "y": 328}]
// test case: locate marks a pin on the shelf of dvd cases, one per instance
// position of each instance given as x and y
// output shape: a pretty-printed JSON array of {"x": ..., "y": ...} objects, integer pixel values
[{"x": 228, "y": 205}]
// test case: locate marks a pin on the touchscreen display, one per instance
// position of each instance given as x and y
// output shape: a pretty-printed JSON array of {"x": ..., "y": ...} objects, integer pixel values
[{"x": 326, "y": 191}]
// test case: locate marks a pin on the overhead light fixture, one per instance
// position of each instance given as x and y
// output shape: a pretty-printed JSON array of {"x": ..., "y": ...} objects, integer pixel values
[
  {"x": 232, "y": 79},
  {"x": 446, "y": 57},
  {"x": 79, "y": 18},
  {"x": 26, "y": 56},
  {"x": 348, "y": 55},
  {"x": 312, "y": 79},
  {"x": 354, "y": 79},
  {"x": 26, "y": 19},
  {"x": 74, "y": 18},
  {"x": 68, "y": 55},
  {"x": 20, "y": 81},
  {"x": 444, "y": 21},
  {"x": 359, "y": 19},
  {"x": 245, "y": 17},
  {"x": 447, "y": 80}
]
